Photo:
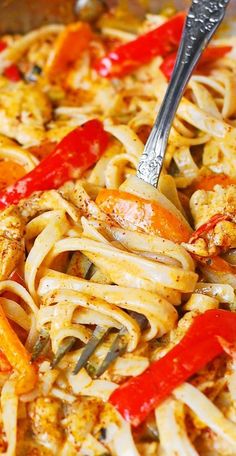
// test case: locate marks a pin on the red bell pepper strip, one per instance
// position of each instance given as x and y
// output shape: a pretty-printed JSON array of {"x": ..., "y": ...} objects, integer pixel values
[
  {"x": 17, "y": 277},
  {"x": 211, "y": 54},
  {"x": 136, "y": 398},
  {"x": 127, "y": 57},
  {"x": 208, "y": 182},
  {"x": 77, "y": 152},
  {"x": 3, "y": 45},
  {"x": 209, "y": 225},
  {"x": 12, "y": 73}
]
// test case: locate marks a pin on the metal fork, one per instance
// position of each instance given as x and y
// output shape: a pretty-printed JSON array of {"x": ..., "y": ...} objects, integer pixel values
[
  {"x": 203, "y": 19},
  {"x": 201, "y": 23},
  {"x": 117, "y": 348}
]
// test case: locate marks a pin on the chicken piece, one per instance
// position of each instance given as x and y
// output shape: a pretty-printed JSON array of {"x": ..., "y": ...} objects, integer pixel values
[
  {"x": 223, "y": 235},
  {"x": 26, "y": 446},
  {"x": 40, "y": 202},
  {"x": 11, "y": 240},
  {"x": 211, "y": 443},
  {"x": 204, "y": 204},
  {"x": 24, "y": 110},
  {"x": 32, "y": 206},
  {"x": 45, "y": 414},
  {"x": 81, "y": 419},
  {"x": 108, "y": 424}
]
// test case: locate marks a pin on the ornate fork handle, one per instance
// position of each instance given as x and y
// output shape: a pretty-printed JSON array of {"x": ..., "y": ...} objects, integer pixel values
[{"x": 202, "y": 21}]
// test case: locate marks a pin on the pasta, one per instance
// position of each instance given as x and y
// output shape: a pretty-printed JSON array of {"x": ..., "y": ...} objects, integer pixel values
[{"x": 106, "y": 258}]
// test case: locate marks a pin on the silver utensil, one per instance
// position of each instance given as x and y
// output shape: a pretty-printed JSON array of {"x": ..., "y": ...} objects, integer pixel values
[
  {"x": 95, "y": 340},
  {"x": 202, "y": 21}
]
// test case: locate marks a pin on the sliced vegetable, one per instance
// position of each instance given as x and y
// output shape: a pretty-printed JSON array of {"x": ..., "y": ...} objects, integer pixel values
[
  {"x": 17, "y": 356},
  {"x": 68, "y": 47},
  {"x": 136, "y": 398},
  {"x": 4, "y": 364},
  {"x": 208, "y": 182},
  {"x": 79, "y": 150},
  {"x": 135, "y": 213},
  {"x": 211, "y": 54},
  {"x": 10, "y": 172},
  {"x": 12, "y": 73},
  {"x": 127, "y": 57},
  {"x": 217, "y": 264},
  {"x": 43, "y": 150},
  {"x": 17, "y": 277},
  {"x": 3, "y": 45}
]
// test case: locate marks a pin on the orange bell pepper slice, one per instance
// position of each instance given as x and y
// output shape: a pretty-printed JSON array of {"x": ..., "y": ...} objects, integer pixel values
[
  {"x": 4, "y": 364},
  {"x": 208, "y": 182},
  {"x": 43, "y": 150},
  {"x": 68, "y": 48},
  {"x": 17, "y": 356},
  {"x": 10, "y": 172},
  {"x": 135, "y": 213},
  {"x": 210, "y": 55},
  {"x": 218, "y": 264}
]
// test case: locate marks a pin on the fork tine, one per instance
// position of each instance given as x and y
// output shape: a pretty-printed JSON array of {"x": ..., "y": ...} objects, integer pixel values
[
  {"x": 96, "y": 338},
  {"x": 140, "y": 319},
  {"x": 40, "y": 344},
  {"x": 118, "y": 347},
  {"x": 62, "y": 350}
]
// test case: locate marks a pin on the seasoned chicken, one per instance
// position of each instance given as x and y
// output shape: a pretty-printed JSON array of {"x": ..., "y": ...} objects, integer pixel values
[
  {"x": 45, "y": 414},
  {"x": 11, "y": 240},
  {"x": 81, "y": 419},
  {"x": 204, "y": 204},
  {"x": 24, "y": 110},
  {"x": 221, "y": 236}
]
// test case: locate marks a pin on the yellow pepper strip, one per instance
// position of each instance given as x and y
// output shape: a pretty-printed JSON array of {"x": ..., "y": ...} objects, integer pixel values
[
  {"x": 17, "y": 356},
  {"x": 68, "y": 48}
]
